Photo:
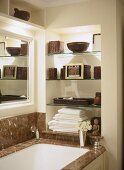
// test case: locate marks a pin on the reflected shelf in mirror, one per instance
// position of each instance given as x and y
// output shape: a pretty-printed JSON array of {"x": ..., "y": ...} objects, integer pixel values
[
  {"x": 15, "y": 52},
  {"x": 12, "y": 98},
  {"x": 14, "y": 79},
  {"x": 17, "y": 56}
]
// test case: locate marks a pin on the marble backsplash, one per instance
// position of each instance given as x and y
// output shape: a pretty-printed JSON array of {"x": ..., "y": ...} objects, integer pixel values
[{"x": 17, "y": 129}]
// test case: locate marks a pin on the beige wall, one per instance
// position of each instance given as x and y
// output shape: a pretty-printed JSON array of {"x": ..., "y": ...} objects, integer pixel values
[
  {"x": 120, "y": 54},
  {"x": 104, "y": 13}
]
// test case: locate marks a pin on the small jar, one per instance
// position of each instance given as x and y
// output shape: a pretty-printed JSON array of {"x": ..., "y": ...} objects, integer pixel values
[
  {"x": 97, "y": 99},
  {"x": 0, "y": 96}
]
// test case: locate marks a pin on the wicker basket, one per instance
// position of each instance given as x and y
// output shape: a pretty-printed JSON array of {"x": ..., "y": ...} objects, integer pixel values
[
  {"x": 87, "y": 72},
  {"x": 73, "y": 101},
  {"x": 97, "y": 72},
  {"x": 55, "y": 47}
]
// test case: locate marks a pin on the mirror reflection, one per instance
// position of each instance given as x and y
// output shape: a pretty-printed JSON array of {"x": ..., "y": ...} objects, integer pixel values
[{"x": 14, "y": 68}]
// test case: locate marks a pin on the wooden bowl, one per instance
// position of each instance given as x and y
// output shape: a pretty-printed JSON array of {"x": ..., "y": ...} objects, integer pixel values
[
  {"x": 25, "y": 15},
  {"x": 78, "y": 47},
  {"x": 13, "y": 51}
]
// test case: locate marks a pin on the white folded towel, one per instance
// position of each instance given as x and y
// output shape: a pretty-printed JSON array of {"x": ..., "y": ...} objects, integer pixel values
[
  {"x": 64, "y": 127},
  {"x": 70, "y": 119},
  {"x": 54, "y": 122},
  {"x": 61, "y": 115},
  {"x": 71, "y": 111},
  {"x": 74, "y": 130}
]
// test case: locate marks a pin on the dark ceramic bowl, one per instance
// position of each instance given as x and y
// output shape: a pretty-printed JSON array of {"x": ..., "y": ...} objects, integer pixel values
[
  {"x": 13, "y": 51},
  {"x": 78, "y": 47}
]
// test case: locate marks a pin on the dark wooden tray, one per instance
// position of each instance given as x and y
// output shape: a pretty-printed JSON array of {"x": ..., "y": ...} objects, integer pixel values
[
  {"x": 11, "y": 97},
  {"x": 73, "y": 101}
]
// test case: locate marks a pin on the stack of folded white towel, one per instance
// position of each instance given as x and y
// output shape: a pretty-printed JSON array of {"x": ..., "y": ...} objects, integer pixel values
[{"x": 67, "y": 120}]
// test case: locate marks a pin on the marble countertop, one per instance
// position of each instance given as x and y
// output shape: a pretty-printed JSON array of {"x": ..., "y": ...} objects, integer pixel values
[{"x": 78, "y": 164}]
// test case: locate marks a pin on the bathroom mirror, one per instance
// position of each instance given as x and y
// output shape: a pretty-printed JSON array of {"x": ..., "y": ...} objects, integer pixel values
[{"x": 14, "y": 69}]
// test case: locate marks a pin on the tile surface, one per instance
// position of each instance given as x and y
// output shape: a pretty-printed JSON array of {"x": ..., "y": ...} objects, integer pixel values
[{"x": 17, "y": 129}]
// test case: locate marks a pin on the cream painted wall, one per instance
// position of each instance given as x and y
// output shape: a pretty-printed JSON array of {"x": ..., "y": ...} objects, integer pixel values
[
  {"x": 120, "y": 60},
  {"x": 104, "y": 13}
]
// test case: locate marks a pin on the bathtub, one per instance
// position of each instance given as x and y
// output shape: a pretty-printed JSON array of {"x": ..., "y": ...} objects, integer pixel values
[{"x": 41, "y": 157}]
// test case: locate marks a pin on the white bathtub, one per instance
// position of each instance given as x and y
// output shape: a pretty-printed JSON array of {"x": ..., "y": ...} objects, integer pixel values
[{"x": 41, "y": 157}]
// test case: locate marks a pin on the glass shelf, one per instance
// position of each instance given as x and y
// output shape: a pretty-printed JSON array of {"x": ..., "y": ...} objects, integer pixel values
[
  {"x": 75, "y": 106},
  {"x": 18, "y": 56},
  {"x": 71, "y": 79},
  {"x": 85, "y": 52},
  {"x": 13, "y": 79}
]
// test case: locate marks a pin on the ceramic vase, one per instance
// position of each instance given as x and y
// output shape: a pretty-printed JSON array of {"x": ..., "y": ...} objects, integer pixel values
[{"x": 82, "y": 136}]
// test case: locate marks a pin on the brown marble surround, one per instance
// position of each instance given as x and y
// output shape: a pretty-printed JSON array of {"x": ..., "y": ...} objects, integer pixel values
[
  {"x": 17, "y": 129},
  {"x": 15, "y": 135}
]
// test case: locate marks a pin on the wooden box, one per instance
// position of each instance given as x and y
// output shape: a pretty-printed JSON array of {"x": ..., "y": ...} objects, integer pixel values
[
  {"x": 21, "y": 73},
  {"x": 55, "y": 47},
  {"x": 52, "y": 73},
  {"x": 24, "y": 49},
  {"x": 87, "y": 72},
  {"x": 97, "y": 72}
]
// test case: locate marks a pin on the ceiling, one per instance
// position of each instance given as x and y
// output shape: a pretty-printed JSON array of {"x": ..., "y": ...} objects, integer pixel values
[{"x": 48, "y": 3}]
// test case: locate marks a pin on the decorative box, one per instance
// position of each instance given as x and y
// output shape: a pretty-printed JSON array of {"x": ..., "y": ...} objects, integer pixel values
[
  {"x": 24, "y": 49},
  {"x": 62, "y": 73},
  {"x": 52, "y": 73},
  {"x": 73, "y": 101},
  {"x": 21, "y": 73},
  {"x": 55, "y": 47},
  {"x": 87, "y": 72},
  {"x": 97, "y": 72}
]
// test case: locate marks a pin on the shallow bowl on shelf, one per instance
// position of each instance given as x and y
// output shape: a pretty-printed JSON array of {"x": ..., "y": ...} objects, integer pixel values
[
  {"x": 78, "y": 47},
  {"x": 13, "y": 51}
]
